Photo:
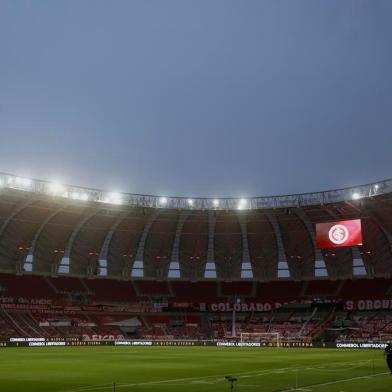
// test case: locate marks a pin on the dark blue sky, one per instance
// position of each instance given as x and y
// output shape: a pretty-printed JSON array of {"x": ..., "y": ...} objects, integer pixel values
[{"x": 197, "y": 98}]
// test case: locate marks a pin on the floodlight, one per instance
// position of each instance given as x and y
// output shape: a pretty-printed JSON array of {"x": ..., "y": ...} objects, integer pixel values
[
  {"x": 114, "y": 198},
  {"x": 356, "y": 196},
  {"x": 75, "y": 195},
  {"x": 56, "y": 188},
  {"x": 26, "y": 182},
  {"x": 241, "y": 204},
  {"x": 215, "y": 202},
  {"x": 190, "y": 202},
  {"x": 84, "y": 196},
  {"x": 19, "y": 181},
  {"x": 163, "y": 200}
]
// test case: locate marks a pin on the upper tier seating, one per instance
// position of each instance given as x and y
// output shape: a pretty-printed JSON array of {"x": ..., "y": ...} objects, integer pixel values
[
  {"x": 111, "y": 290},
  {"x": 151, "y": 288},
  {"x": 322, "y": 288},
  {"x": 27, "y": 286},
  {"x": 68, "y": 285}
]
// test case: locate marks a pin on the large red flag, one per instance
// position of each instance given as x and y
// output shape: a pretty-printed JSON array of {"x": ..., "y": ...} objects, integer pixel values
[{"x": 339, "y": 233}]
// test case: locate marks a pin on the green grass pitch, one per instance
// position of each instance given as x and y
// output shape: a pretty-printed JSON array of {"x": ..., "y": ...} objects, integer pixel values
[{"x": 191, "y": 369}]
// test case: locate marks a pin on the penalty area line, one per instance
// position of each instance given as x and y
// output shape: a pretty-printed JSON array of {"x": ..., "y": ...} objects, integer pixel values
[{"x": 334, "y": 382}]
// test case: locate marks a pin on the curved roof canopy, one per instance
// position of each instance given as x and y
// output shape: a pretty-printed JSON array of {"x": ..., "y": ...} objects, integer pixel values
[{"x": 174, "y": 202}]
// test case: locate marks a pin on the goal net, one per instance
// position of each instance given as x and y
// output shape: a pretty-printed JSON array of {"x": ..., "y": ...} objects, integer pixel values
[
  {"x": 385, "y": 337},
  {"x": 264, "y": 338}
]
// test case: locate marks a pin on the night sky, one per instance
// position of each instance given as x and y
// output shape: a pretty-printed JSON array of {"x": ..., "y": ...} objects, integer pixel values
[{"x": 197, "y": 98}]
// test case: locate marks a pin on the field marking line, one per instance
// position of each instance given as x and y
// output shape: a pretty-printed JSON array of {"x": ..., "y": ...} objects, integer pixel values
[
  {"x": 254, "y": 373},
  {"x": 324, "y": 369},
  {"x": 118, "y": 385},
  {"x": 336, "y": 382},
  {"x": 300, "y": 389},
  {"x": 87, "y": 387}
]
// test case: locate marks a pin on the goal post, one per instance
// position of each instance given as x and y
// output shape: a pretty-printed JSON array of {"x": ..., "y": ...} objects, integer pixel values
[{"x": 267, "y": 338}]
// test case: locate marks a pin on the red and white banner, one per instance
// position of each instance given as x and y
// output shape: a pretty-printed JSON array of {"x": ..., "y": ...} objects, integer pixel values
[
  {"x": 339, "y": 233},
  {"x": 369, "y": 304},
  {"x": 242, "y": 307}
]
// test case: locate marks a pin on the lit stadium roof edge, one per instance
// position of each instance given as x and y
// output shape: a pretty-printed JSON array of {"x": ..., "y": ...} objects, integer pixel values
[{"x": 12, "y": 181}]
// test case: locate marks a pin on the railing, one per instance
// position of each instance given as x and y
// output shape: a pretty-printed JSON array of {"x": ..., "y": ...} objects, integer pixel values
[{"x": 10, "y": 181}]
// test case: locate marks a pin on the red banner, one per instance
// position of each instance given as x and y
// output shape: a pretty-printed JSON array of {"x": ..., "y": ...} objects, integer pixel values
[{"x": 338, "y": 234}]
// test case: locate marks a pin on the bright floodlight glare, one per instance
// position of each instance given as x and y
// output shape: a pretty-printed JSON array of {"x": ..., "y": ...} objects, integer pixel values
[
  {"x": 376, "y": 187},
  {"x": 75, "y": 195},
  {"x": 163, "y": 200},
  {"x": 190, "y": 202},
  {"x": 114, "y": 198},
  {"x": 56, "y": 188},
  {"x": 356, "y": 196},
  {"x": 215, "y": 203},
  {"x": 241, "y": 204},
  {"x": 19, "y": 181},
  {"x": 26, "y": 181},
  {"x": 84, "y": 196}
]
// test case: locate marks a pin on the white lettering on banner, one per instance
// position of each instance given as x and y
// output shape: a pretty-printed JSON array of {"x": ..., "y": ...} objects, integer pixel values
[
  {"x": 102, "y": 337},
  {"x": 27, "y": 339},
  {"x": 27, "y": 301},
  {"x": 241, "y": 307},
  {"x": 368, "y": 304},
  {"x": 360, "y": 345},
  {"x": 238, "y": 344}
]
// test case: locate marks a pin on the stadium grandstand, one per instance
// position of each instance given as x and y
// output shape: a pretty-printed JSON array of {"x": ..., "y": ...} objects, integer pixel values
[{"x": 90, "y": 265}]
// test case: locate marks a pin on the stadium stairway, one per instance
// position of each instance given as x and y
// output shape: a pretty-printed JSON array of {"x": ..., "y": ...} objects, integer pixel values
[
  {"x": 306, "y": 323},
  {"x": 50, "y": 283},
  {"x": 136, "y": 288},
  {"x": 319, "y": 327},
  {"x": 15, "y": 325}
]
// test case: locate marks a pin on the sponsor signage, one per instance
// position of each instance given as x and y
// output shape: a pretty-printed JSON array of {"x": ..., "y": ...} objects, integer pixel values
[
  {"x": 242, "y": 307},
  {"x": 39, "y": 342},
  {"x": 339, "y": 233},
  {"x": 369, "y": 304},
  {"x": 360, "y": 345}
]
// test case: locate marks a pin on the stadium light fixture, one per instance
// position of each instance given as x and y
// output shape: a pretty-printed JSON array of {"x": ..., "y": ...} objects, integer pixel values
[
  {"x": 56, "y": 188},
  {"x": 190, "y": 202},
  {"x": 19, "y": 182},
  {"x": 356, "y": 196},
  {"x": 215, "y": 202},
  {"x": 26, "y": 182},
  {"x": 79, "y": 196},
  {"x": 241, "y": 204},
  {"x": 163, "y": 201},
  {"x": 114, "y": 198}
]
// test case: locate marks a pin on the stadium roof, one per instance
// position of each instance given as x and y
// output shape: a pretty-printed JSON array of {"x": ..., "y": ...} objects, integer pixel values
[
  {"x": 173, "y": 202},
  {"x": 95, "y": 233}
]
